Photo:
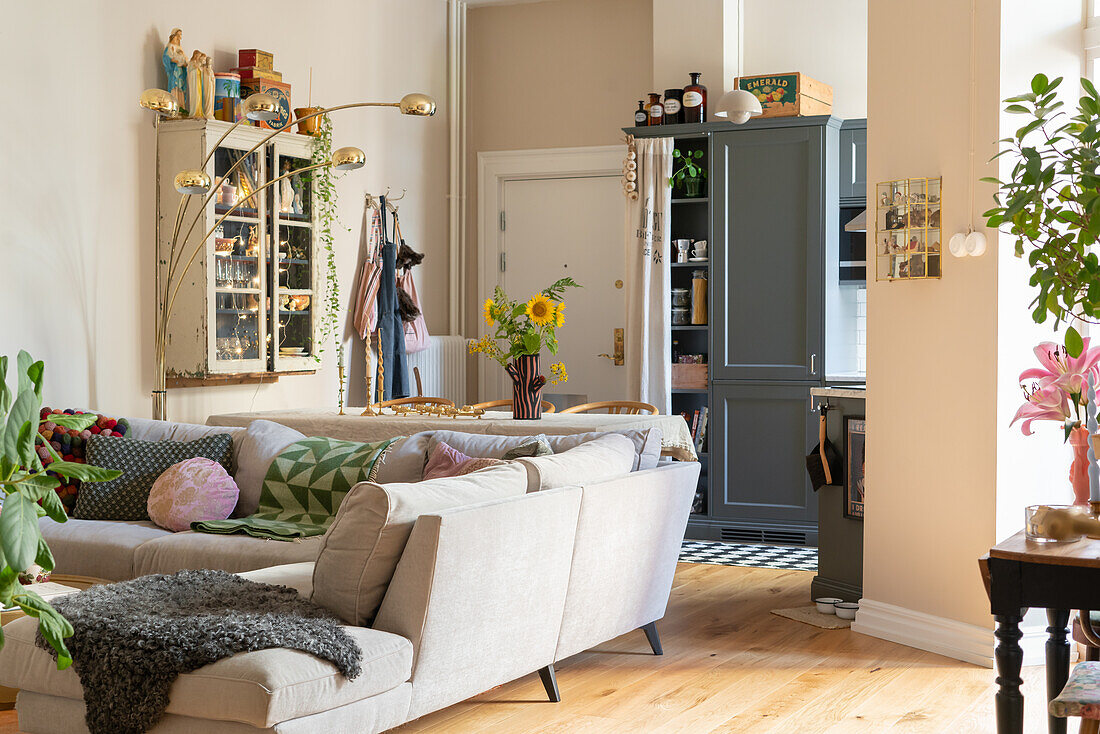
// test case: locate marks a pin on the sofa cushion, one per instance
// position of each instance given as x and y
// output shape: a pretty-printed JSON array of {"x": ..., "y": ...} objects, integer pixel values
[
  {"x": 141, "y": 462},
  {"x": 97, "y": 548},
  {"x": 608, "y": 456},
  {"x": 192, "y": 491},
  {"x": 405, "y": 460},
  {"x": 257, "y": 447},
  {"x": 259, "y": 688},
  {"x": 646, "y": 442},
  {"x": 445, "y": 461},
  {"x": 147, "y": 429},
  {"x": 364, "y": 544},
  {"x": 233, "y": 553}
]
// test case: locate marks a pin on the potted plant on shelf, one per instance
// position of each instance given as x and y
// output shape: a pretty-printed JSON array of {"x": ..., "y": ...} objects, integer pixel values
[
  {"x": 1057, "y": 392},
  {"x": 27, "y": 492},
  {"x": 521, "y": 332},
  {"x": 690, "y": 174}
]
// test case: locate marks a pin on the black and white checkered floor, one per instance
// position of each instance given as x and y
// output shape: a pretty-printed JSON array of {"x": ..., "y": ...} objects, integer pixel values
[{"x": 795, "y": 557}]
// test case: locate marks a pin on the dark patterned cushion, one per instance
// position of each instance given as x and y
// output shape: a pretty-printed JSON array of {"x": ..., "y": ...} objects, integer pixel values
[
  {"x": 538, "y": 447},
  {"x": 140, "y": 462}
]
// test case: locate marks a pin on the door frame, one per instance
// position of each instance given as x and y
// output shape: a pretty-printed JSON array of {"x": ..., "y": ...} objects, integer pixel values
[{"x": 495, "y": 168}]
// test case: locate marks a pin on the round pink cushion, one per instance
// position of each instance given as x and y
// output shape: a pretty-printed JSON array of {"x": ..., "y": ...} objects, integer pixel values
[{"x": 191, "y": 491}]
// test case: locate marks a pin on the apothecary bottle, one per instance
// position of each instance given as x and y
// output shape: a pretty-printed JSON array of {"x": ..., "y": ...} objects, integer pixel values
[
  {"x": 656, "y": 109},
  {"x": 641, "y": 115},
  {"x": 674, "y": 110},
  {"x": 695, "y": 100}
]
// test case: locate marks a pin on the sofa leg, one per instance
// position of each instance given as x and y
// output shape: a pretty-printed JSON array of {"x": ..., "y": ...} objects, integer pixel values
[
  {"x": 654, "y": 638},
  {"x": 550, "y": 683}
]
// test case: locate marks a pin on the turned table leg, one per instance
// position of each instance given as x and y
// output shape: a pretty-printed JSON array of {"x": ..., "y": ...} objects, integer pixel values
[
  {"x": 1057, "y": 662},
  {"x": 1010, "y": 658}
]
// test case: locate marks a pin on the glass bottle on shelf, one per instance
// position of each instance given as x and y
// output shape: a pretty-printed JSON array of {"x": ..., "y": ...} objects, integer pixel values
[
  {"x": 641, "y": 116},
  {"x": 695, "y": 99},
  {"x": 674, "y": 110},
  {"x": 656, "y": 109}
]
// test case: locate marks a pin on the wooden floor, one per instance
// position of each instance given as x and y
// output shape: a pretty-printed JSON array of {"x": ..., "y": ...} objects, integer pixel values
[{"x": 730, "y": 666}]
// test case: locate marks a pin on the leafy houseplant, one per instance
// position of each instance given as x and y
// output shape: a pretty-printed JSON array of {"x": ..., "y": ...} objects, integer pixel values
[
  {"x": 1052, "y": 203},
  {"x": 326, "y": 202},
  {"x": 27, "y": 493},
  {"x": 525, "y": 328},
  {"x": 690, "y": 173}
]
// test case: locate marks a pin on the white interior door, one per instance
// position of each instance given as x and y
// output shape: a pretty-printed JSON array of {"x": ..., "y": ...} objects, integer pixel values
[{"x": 569, "y": 226}]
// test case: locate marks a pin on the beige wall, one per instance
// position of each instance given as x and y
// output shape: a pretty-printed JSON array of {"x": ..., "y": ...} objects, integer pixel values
[
  {"x": 556, "y": 74},
  {"x": 931, "y": 345},
  {"x": 76, "y": 199}
]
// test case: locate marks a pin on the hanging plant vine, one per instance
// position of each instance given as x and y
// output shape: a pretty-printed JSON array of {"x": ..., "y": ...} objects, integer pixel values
[{"x": 327, "y": 217}]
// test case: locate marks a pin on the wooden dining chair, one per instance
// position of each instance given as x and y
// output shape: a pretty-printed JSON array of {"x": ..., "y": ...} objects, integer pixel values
[
  {"x": 623, "y": 407},
  {"x": 547, "y": 406},
  {"x": 417, "y": 400}
]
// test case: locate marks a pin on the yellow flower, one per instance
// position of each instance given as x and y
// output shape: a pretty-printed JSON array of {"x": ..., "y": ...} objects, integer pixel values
[
  {"x": 489, "y": 311},
  {"x": 559, "y": 315},
  {"x": 559, "y": 374},
  {"x": 540, "y": 310}
]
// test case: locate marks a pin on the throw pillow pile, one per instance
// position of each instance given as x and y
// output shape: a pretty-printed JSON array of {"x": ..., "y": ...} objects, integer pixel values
[{"x": 70, "y": 444}]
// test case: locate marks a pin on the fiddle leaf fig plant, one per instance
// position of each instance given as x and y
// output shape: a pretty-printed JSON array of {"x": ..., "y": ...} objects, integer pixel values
[
  {"x": 1051, "y": 203},
  {"x": 27, "y": 493}
]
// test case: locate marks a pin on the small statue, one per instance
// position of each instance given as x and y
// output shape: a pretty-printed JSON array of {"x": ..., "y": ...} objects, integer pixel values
[
  {"x": 297, "y": 207},
  {"x": 286, "y": 190},
  {"x": 194, "y": 84},
  {"x": 208, "y": 87},
  {"x": 175, "y": 68}
]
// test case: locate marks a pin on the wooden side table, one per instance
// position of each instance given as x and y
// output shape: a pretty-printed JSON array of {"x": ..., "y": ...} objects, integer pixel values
[{"x": 59, "y": 585}]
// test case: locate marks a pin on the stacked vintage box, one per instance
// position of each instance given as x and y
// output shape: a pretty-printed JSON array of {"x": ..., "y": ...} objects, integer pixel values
[{"x": 257, "y": 70}]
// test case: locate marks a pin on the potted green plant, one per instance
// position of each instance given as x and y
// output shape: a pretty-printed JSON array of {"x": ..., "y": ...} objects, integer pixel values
[
  {"x": 27, "y": 493},
  {"x": 1051, "y": 204},
  {"x": 525, "y": 328},
  {"x": 690, "y": 174}
]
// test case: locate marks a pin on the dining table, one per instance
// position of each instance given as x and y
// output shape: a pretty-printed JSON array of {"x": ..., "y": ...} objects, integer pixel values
[
  {"x": 1021, "y": 574},
  {"x": 676, "y": 440}
]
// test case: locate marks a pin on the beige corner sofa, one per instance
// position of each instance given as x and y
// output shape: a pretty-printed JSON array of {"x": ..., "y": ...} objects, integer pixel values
[{"x": 481, "y": 594}]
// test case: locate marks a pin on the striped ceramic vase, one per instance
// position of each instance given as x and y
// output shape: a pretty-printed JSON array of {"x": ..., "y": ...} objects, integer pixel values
[{"x": 527, "y": 386}]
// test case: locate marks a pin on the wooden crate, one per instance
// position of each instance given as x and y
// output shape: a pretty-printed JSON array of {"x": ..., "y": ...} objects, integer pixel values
[
  {"x": 788, "y": 95},
  {"x": 689, "y": 376}
]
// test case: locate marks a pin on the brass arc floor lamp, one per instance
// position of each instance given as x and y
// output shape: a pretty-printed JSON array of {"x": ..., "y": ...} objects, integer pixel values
[{"x": 193, "y": 182}]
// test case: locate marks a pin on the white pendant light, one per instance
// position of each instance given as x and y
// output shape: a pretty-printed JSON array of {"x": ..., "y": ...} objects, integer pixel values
[{"x": 738, "y": 106}]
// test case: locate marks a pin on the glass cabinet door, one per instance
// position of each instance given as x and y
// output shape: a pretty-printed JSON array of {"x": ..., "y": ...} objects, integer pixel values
[
  {"x": 238, "y": 279},
  {"x": 292, "y": 274}
]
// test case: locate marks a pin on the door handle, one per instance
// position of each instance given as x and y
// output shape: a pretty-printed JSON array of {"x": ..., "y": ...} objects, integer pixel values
[
  {"x": 619, "y": 357},
  {"x": 813, "y": 364}
]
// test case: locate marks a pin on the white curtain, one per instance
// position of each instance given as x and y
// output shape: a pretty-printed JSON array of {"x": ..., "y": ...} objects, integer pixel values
[{"x": 649, "y": 301}]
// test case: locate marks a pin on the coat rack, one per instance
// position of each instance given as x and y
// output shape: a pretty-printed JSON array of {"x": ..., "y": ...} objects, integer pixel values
[{"x": 374, "y": 202}]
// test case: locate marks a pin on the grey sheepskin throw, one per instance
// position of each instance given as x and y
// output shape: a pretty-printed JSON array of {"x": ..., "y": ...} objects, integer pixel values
[{"x": 132, "y": 639}]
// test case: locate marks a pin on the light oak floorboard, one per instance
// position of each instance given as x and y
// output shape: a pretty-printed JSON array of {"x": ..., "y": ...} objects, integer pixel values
[{"x": 731, "y": 666}]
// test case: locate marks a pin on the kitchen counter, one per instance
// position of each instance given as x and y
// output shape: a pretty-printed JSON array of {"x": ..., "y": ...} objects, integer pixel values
[{"x": 851, "y": 392}]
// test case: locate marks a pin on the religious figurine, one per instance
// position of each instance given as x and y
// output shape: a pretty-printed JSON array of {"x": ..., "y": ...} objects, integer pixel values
[
  {"x": 194, "y": 84},
  {"x": 296, "y": 185},
  {"x": 175, "y": 68},
  {"x": 286, "y": 190},
  {"x": 208, "y": 87}
]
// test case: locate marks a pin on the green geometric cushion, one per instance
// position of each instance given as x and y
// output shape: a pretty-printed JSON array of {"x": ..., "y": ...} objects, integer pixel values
[{"x": 304, "y": 487}]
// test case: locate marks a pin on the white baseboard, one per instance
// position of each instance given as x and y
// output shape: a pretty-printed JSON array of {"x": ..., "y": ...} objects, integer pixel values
[{"x": 959, "y": 640}]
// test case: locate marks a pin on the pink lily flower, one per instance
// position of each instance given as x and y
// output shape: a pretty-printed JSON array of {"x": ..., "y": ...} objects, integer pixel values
[
  {"x": 1046, "y": 402},
  {"x": 1069, "y": 373}
]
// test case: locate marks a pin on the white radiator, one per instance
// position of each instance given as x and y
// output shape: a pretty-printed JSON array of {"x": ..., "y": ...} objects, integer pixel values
[{"x": 442, "y": 368}]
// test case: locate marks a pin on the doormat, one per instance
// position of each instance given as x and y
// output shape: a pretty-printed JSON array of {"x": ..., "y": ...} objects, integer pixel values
[
  {"x": 810, "y": 615},
  {"x": 783, "y": 557}
]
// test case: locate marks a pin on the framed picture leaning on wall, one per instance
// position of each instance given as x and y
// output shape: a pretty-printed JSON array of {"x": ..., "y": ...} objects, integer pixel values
[{"x": 855, "y": 458}]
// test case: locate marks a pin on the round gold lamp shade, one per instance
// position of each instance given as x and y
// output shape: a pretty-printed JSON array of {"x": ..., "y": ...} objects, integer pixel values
[
  {"x": 417, "y": 104},
  {"x": 348, "y": 159},
  {"x": 192, "y": 181},
  {"x": 261, "y": 106},
  {"x": 159, "y": 101}
]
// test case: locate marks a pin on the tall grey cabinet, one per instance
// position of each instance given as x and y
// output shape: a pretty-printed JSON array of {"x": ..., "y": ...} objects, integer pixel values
[{"x": 773, "y": 204}]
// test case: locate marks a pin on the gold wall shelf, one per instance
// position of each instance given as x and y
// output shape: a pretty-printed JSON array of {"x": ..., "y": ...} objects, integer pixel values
[{"x": 908, "y": 229}]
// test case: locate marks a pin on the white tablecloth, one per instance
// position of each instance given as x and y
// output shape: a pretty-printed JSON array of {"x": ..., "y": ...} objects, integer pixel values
[{"x": 676, "y": 437}]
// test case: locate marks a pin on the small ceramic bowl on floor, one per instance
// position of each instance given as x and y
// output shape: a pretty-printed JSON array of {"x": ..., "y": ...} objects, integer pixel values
[
  {"x": 846, "y": 609},
  {"x": 825, "y": 604}
]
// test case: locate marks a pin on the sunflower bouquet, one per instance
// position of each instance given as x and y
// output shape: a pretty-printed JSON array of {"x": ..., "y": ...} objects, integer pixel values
[{"x": 524, "y": 328}]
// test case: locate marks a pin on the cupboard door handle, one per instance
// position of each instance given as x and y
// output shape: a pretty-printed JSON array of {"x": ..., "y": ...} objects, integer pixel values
[{"x": 813, "y": 364}]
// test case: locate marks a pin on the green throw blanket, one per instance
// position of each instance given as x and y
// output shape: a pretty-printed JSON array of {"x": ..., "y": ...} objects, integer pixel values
[{"x": 304, "y": 487}]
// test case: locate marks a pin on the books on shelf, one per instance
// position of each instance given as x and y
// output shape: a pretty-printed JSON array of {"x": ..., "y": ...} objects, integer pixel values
[{"x": 697, "y": 422}]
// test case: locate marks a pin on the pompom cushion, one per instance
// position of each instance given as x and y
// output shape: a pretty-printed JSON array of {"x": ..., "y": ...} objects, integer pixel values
[
  {"x": 446, "y": 461},
  {"x": 193, "y": 490}
]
